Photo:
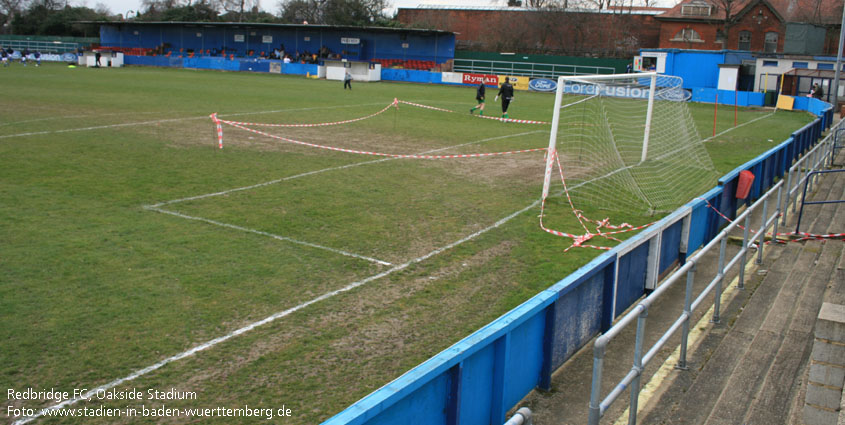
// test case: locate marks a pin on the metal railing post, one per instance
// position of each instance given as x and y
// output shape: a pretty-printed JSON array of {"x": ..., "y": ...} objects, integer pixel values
[
  {"x": 744, "y": 250},
  {"x": 761, "y": 240},
  {"x": 788, "y": 190},
  {"x": 638, "y": 366},
  {"x": 717, "y": 300},
  {"x": 778, "y": 213},
  {"x": 595, "y": 391},
  {"x": 682, "y": 361}
]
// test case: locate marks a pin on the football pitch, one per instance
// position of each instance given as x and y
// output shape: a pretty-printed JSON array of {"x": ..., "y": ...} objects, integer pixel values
[{"x": 138, "y": 257}]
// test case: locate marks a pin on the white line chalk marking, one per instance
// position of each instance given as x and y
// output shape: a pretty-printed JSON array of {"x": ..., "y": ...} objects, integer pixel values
[
  {"x": 272, "y": 318},
  {"x": 269, "y": 235}
]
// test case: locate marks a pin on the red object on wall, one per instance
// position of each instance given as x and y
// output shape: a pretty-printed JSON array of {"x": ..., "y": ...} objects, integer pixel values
[{"x": 743, "y": 186}]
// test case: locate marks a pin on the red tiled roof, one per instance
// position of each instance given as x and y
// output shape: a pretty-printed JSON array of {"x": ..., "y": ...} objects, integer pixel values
[{"x": 826, "y": 12}]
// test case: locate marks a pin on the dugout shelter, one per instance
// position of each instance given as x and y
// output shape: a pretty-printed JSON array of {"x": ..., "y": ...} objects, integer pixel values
[{"x": 418, "y": 47}]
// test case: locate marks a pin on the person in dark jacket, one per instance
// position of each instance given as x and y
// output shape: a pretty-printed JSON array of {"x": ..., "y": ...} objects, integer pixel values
[
  {"x": 506, "y": 92},
  {"x": 479, "y": 96},
  {"x": 818, "y": 91}
]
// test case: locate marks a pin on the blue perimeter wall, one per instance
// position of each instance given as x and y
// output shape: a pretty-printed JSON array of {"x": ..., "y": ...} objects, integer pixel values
[{"x": 480, "y": 378}]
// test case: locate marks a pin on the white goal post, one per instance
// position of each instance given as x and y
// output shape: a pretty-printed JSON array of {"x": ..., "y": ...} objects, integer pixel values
[
  {"x": 627, "y": 142},
  {"x": 561, "y": 83}
]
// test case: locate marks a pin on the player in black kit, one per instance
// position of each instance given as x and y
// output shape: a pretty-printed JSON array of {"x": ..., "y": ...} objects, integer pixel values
[{"x": 506, "y": 91}]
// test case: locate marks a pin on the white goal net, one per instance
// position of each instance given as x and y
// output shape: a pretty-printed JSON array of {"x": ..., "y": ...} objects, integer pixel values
[{"x": 627, "y": 142}]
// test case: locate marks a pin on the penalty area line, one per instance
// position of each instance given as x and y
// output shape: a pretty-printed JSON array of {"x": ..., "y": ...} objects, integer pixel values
[
  {"x": 208, "y": 344},
  {"x": 204, "y": 117},
  {"x": 269, "y": 235},
  {"x": 340, "y": 167}
]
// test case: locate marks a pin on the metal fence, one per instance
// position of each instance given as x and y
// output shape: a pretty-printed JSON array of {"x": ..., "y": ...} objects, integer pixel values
[
  {"x": 803, "y": 171},
  {"x": 528, "y": 69},
  {"x": 42, "y": 46}
]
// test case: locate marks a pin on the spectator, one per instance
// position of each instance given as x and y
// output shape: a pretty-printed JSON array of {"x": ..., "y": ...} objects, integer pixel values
[
  {"x": 818, "y": 91},
  {"x": 287, "y": 59}
]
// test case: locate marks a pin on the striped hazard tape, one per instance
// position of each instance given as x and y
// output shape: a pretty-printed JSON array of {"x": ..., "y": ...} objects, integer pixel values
[
  {"x": 578, "y": 241},
  {"x": 804, "y": 236},
  {"x": 395, "y": 104},
  {"x": 389, "y": 155}
]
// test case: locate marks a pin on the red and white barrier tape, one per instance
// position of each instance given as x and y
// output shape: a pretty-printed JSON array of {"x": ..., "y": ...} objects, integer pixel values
[
  {"x": 806, "y": 236},
  {"x": 479, "y": 116},
  {"x": 389, "y": 155},
  {"x": 578, "y": 240},
  {"x": 322, "y": 124},
  {"x": 395, "y": 104},
  {"x": 219, "y": 130}
]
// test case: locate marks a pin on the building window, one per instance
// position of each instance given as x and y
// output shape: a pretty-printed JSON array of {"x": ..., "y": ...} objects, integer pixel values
[
  {"x": 744, "y": 40},
  {"x": 770, "y": 63},
  {"x": 824, "y": 66},
  {"x": 720, "y": 36},
  {"x": 696, "y": 8},
  {"x": 687, "y": 34},
  {"x": 800, "y": 65},
  {"x": 771, "y": 42}
]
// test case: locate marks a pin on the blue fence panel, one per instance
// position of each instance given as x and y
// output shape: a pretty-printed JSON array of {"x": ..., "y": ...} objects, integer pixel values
[
  {"x": 630, "y": 280},
  {"x": 524, "y": 361},
  {"x": 727, "y": 97},
  {"x": 582, "y": 309},
  {"x": 476, "y": 396},
  {"x": 705, "y": 223},
  {"x": 670, "y": 245},
  {"x": 300, "y": 69},
  {"x": 410, "y": 75}
]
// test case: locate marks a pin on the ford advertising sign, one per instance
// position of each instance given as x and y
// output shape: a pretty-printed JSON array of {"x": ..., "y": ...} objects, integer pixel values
[{"x": 542, "y": 84}]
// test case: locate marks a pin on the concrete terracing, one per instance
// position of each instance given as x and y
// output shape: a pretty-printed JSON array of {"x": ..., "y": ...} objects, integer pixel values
[{"x": 754, "y": 365}]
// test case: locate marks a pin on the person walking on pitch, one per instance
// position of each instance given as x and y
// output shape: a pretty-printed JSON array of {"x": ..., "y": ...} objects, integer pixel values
[
  {"x": 479, "y": 96},
  {"x": 347, "y": 80},
  {"x": 506, "y": 91}
]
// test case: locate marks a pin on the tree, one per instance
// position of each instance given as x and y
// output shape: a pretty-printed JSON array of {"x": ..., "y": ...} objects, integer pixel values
[
  {"x": 333, "y": 12},
  {"x": 299, "y": 11},
  {"x": 9, "y": 9},
  {"x": 42, "y": 19}
]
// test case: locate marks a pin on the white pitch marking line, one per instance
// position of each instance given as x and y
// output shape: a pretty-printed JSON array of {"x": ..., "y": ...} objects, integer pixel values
[
  {"x": 270, "y": 235},
  {"x": 270, "y": 319},
  {"x": 309, "y": 173},
  {"x": 103, "y": 127},
  {"x": 741, "y": 125}
]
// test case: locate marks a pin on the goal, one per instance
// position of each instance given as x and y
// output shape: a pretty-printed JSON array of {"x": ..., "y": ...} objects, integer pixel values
[{"x": 626, "y": 142}]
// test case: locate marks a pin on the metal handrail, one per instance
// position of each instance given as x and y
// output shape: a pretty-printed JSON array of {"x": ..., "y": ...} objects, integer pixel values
[
  {"x": 40, "y": 45},
  {"x": 640, "y": 311},
  {"x": 817, "y": 158},
  {"x": 804, "y": 197},
  {"x": 528, "y": 69}
]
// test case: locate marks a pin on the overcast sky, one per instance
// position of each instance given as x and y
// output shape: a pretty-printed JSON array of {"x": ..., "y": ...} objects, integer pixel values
[{"x": 122, "y": 6}]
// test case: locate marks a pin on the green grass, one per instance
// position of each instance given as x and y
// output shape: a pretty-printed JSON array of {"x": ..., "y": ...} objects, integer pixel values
[{"x": 94, "y": 286}]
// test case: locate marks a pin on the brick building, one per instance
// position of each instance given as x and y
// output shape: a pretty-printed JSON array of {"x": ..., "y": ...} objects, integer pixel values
[
  {"x": 765, "y": 26},
  {"x": 753, "y": 25}
]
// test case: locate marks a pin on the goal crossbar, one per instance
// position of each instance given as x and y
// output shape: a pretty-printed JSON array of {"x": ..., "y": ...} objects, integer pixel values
[{"x": 561, "y": 83}]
